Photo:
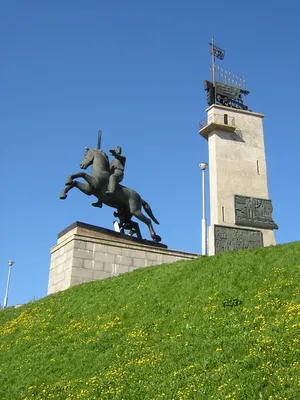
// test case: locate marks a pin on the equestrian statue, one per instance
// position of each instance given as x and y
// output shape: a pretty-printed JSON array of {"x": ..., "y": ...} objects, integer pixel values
[{"x": 104, "y": 183}]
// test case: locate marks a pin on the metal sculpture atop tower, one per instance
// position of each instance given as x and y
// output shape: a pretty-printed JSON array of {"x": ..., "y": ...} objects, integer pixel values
[{"x": 225, "y": 88}]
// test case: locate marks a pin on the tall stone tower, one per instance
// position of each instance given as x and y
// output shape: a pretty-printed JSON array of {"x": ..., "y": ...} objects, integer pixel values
[{"x": 240, "y": 208}]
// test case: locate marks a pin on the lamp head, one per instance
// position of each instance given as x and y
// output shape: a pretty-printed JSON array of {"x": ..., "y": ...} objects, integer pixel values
[{"x": 203, "y": 165}]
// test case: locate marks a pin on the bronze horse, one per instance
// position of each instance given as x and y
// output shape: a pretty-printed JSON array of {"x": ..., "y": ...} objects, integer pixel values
[{"x": 127, "y": 201}]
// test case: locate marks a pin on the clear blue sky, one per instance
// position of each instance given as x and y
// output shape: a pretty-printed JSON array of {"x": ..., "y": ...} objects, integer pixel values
[{"x": 133, "y": 69}]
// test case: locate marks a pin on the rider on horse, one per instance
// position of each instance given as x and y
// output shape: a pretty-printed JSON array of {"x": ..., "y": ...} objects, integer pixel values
[
  {"x": 117, "y": 167},
  {"x": 126, "y": 200}
]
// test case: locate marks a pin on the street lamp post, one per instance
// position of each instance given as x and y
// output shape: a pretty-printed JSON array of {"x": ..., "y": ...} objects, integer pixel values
[
  {"x": 203, "y": 167},
  {"x": 10, "y": 264}
]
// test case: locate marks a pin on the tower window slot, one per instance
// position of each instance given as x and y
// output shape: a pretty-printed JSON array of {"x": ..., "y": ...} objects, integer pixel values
[{"x": 257, "y": 167}]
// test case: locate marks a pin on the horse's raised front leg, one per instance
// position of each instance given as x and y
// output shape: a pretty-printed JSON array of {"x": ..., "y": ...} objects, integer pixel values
[
  {"x": 91, "y": 180},
  {"x": 83, "y": 187},
  {"x": 69, "y": 181}
]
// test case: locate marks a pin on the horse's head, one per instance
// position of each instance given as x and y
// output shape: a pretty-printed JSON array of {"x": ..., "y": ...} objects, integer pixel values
[
  {"x": 96, "y": 157},
  {"x": 88, "y": 158}
]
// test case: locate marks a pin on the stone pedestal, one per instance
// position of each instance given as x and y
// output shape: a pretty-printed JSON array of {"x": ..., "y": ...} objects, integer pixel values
[{"x": 86, "y": 253}]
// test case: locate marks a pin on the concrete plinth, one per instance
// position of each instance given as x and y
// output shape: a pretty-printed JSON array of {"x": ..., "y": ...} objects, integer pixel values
[{"x": 86, "y": 253}]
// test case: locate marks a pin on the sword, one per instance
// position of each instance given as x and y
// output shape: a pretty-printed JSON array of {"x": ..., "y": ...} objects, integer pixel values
[{"x": 99, "y": 140}]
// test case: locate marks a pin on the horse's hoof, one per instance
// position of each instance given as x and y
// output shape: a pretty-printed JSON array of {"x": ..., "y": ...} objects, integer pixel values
[
  {"x": 69, "y": 182},
  {"x": 97, "y": 204},
  {"x": 156, "y": 238},
  {"x": 63, "y": 196}
]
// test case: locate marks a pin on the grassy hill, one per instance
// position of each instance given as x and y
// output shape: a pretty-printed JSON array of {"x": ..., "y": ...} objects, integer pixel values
[{"x": 224, "y": 327}]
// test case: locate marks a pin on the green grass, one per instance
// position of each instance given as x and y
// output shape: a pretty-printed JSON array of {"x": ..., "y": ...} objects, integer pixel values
[{"x": 224, "y": 327}]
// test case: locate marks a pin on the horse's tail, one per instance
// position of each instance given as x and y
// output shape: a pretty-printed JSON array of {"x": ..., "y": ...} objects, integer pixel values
[{"x": 148, "y": 210}]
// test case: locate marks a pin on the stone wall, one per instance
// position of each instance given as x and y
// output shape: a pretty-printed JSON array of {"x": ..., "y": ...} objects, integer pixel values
[{"x": 86, "y": 253}]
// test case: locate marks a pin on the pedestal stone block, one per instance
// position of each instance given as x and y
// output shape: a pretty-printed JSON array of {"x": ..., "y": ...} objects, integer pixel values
[{"x": 86, "y": 253}]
